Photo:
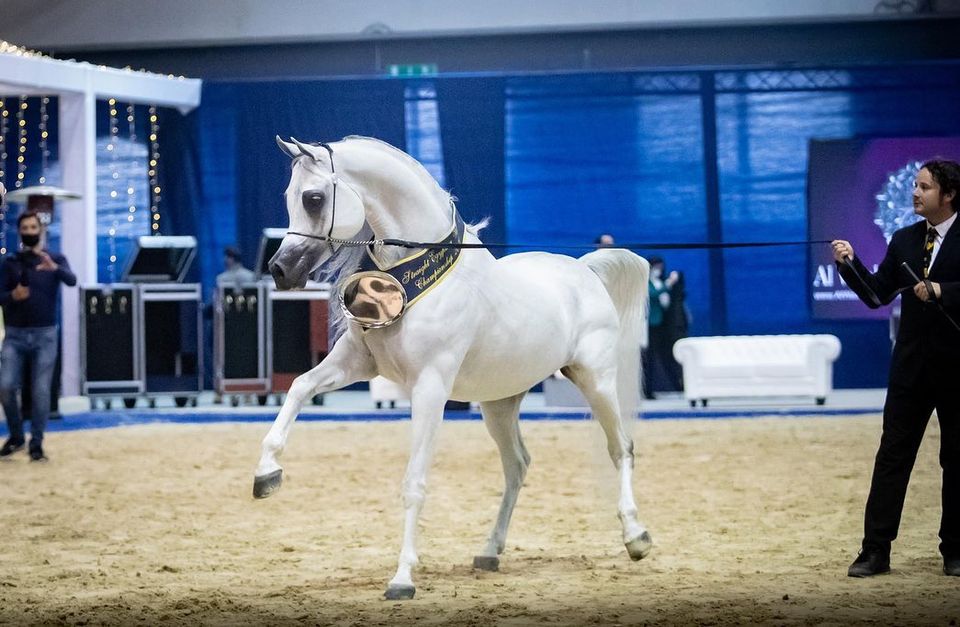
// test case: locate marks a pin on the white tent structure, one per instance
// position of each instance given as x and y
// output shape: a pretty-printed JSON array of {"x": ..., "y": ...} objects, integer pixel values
[{"x": 79, "y": 86}]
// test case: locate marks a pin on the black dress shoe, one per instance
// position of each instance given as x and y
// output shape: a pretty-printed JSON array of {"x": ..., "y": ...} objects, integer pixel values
[
  {"x": 10, "y": 447},
  {"x": 951, "y": 566},
  {"x": 36, "y": 454},
  {"x": 869, "y": 563}
]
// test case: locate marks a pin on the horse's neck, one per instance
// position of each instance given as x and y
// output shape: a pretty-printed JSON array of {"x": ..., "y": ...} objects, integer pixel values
[{"x": 400, "y": 202}]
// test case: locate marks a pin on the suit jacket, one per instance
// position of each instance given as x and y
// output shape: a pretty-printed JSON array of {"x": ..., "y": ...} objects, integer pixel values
[{"x": 927, "y": 346}]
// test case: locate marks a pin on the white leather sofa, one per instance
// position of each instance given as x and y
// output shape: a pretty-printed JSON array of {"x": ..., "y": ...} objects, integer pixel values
[
  {"x": 384, "y": 391},
  {"x": 757, "y": 366}
]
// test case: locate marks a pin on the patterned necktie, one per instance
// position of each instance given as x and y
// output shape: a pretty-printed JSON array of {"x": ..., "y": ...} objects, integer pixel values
[{"x": 928, "y": 250}]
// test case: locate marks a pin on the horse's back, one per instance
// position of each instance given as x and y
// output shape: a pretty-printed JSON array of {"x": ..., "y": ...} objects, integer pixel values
[
  {"x": 537, "y": 307},
  {"x": 546, "y": 274}
]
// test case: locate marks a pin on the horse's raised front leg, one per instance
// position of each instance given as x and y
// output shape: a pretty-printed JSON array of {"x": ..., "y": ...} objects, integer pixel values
[
  {"x": 599, "y": 387},
  {"x": 502, "y": 421},
  {"x": 427, "y": 398},
  {"x": 348, "y": 362}
]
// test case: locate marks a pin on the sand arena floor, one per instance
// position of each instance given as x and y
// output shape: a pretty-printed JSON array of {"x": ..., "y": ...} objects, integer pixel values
[{"x": 754, "y": 521}]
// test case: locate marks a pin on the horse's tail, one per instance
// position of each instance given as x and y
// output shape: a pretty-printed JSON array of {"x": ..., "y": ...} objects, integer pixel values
[{"x": 625, "y": 276}]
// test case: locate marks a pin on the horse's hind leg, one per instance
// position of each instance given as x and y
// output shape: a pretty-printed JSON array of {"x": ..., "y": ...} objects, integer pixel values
[
  {"x": 599, "y": 387},
  {"x": 502, "y": 421}
]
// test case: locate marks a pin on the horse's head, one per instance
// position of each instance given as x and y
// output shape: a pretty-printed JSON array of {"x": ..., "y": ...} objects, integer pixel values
[{"x": 321, "y": 207}]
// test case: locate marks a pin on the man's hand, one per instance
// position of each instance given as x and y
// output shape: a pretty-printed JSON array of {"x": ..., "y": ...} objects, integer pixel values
[
  {"x": 841, "y": 249},
  {"x": 672, "y": 278},
  {"x": 920, "y": 289},
  {"x": 46, "y": 263},
  {"x": 20, "y": 292}
]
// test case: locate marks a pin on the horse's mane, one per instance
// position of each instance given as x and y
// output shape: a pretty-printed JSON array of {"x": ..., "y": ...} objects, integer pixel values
[
  {"x": 422, "y": 173},
  {"x": 346, "y": 260}
]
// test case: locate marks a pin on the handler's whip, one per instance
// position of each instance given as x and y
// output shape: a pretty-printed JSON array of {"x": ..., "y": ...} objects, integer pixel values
[{"x": 933, "y": 295}]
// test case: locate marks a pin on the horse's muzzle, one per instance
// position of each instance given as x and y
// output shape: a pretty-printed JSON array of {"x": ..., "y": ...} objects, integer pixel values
[
  {"x": 280, "y": 278},
  {"x": 286, "y": 275}
]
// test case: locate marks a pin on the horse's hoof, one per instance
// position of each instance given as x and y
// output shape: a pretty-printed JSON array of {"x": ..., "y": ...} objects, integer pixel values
[
  {"x": 267, "y": 484},
  {"x": 399, "y": 593},
  {"x": 640, "y": 547},
  {"x": 486, "y": 562}
]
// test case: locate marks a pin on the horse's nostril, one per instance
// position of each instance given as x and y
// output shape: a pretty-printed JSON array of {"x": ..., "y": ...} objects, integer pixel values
[{"x": 279, "y": 278}]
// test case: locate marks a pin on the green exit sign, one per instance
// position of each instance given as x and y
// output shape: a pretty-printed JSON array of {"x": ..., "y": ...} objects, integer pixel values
[{"x": 412, "y": 69}]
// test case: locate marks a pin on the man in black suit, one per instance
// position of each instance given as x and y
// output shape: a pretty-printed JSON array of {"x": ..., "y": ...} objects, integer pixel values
[{"x": 925, "y": 367}]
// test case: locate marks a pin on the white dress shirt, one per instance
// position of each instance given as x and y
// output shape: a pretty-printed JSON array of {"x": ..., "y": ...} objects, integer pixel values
[{"x": 941, "y": 229}]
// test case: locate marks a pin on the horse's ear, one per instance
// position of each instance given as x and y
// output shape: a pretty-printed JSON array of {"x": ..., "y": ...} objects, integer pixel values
[
  {"x": 288, "y": 149},
  {"x": 313, "y": 152}
]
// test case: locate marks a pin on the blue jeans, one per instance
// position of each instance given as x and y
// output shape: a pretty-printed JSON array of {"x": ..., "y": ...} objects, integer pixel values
[{"x": 38, "y": 346}]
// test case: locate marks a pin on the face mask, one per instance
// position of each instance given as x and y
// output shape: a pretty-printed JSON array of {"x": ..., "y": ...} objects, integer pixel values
[{"x": 30, "y": 240}]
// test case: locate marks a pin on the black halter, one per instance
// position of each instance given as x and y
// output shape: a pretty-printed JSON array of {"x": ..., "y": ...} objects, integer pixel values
[
  {"x": 371, "y": 242},
  {"x": 333, "y": 211}
]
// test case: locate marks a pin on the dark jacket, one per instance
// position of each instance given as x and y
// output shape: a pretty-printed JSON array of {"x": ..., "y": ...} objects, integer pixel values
[
  {"x": 927, "y": 344},
  {"x": 40, "y": 309}
]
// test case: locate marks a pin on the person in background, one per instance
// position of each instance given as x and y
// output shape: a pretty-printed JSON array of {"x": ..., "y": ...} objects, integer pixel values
[
  {"x": 234, "y": 272},
  {"x": 604, "y": 240},
  {"x": 658, "y": 355},
  {"x": 29, "y": 293},
  {"x": 234, "y": 276},
  {"x": 925, "y": 367},
  {"x": 676, "y": 322}
]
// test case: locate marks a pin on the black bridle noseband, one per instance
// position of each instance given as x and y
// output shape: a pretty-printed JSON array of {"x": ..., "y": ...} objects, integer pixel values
[
  {"x": 333, "y": 211},
  {"x": 372, "y": 242}
]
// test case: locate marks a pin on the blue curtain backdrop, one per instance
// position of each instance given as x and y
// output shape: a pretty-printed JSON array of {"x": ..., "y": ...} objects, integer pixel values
[
  {"x": 614, "y": 154},
  {"x": 557, "y": 160},
  {"x": 181, "y": 202},
  {"x": 472, "y": 131},
  {"x": 763, "y": 142},
  {"x": 309, "y": 111}
]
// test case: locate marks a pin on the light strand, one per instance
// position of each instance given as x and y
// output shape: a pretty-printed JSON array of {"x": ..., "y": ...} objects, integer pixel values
[
  {"x": 44, "y": 150},
  {"x": 132, "y": 136},
  {"x": 153, "y": 170},
  {"x": 112, "y": 148},
  {"x": 22, "y": 144}
]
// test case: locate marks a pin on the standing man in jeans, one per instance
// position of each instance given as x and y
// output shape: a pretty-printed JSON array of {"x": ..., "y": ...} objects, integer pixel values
[{"x": 29, "y": 290}]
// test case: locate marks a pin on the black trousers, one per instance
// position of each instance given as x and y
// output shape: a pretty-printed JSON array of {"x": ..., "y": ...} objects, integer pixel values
[
  {"x": 661, "y": 372},
  {"x": 905, "y": 416}
]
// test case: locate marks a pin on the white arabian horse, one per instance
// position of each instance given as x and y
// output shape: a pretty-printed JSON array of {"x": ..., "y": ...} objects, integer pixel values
[{"x": 490, "y": 330}]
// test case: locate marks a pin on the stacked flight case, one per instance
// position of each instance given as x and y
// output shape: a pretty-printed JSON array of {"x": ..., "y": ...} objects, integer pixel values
[
  {"x": 239, "y": 367},
  {"x": 109, "y": 350},
  {"x": 143, "y": 337},
  {"x": 263, "y": 337}
]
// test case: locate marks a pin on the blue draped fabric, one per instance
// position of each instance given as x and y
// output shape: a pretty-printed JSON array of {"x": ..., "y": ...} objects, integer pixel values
[
  {"x": 181, "y": 203},
  {"x": 472, "y": 136},
  {"x": 310, "y": 111},
  {"x": 216, "y": 127},
  {"x": 557, "y": 160},
  {"x": 763, "y": 143},
  {"x": 590, "y": 154}
]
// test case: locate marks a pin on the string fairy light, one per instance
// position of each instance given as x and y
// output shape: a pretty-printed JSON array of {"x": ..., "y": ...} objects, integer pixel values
[
  {"x": 4, "y": 115},
  {"x": 112, "y": 146},
  {"x": 131, "y": 189},
  {"x": 153, "y": 170},
  {"x": 44, "y": 150},
  {"x": 22, "y": 144}
]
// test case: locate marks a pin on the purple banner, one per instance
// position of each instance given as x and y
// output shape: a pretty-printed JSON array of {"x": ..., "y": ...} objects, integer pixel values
[{"x": 861, "y": 191}]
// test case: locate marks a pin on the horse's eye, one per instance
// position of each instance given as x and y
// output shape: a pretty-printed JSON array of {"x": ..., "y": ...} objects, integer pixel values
[{"x": 313, "y": 200}]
